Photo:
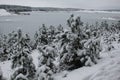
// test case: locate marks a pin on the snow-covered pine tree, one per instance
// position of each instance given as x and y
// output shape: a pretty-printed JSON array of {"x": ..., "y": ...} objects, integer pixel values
[
  {"x": 46, "y": 63},
  {"x": 68, "y": 58},
  {"x": 41, "y": 37},
  {"x": 7, "y": 44},
  {"x": 51, "y": 33},
  {"x": 1, "y": 74},
  {"x": 105, "y": 26},
  {"x": 60, "y": 29},
  {"x": 118, "y": 25},
  {"x": 43, "y": 34},
  {"x": 73, "y": 53},
  {"x": 22, "y": 64},
  {"x": 75, "y": 24},
  {"x": 35, "y": 42},
  {"x": 70, "y": 44},
  {"x": 3, "y": 47}
]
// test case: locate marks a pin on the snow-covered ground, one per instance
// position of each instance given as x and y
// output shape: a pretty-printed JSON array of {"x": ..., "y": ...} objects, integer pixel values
[
  {"x": 6, "y": 69},
  {"x": 4, "y": 13},
  {"x": 108, "y": 68}
]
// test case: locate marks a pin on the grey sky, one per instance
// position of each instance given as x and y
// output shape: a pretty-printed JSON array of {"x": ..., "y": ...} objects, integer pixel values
[{"x": 89, "y": 4}]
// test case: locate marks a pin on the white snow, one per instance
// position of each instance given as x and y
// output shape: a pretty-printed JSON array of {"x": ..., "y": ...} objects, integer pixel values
[
  {"x": 6, "y": 69},
  {"x": 21, "y": 76},
  {"x": 4, "y": 13},
  {"x": 35, "y": 54},
  {"x": 110, "y": 69}
]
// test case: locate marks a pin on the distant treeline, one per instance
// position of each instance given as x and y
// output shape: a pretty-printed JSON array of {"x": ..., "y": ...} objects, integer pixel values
[
  {"x": 17, "y": 8},
  {"x": 113, "y": 10},
  {"x": 53, "y": 9}
]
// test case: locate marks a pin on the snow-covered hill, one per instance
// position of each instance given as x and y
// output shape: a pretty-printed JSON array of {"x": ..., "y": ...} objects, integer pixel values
[{"x": 4, "y": 13}]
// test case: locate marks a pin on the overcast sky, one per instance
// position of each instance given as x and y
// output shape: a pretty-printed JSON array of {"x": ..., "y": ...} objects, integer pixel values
[{"x": 87, "y": 4}]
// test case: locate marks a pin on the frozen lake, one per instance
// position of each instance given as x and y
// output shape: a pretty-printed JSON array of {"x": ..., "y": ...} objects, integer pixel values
[{"x": 31, "y": 23}]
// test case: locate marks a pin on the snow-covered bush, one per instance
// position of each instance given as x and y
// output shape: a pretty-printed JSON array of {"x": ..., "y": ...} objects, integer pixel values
[{"x": 44, "y": 73}]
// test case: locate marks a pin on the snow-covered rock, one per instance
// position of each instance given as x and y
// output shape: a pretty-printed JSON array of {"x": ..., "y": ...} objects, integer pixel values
[{"x": 4, "y": 13}]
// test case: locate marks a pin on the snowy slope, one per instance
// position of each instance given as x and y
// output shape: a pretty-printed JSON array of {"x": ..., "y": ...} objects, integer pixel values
[
  {"x": 108, "y": 68},
  {"x": 4, "y": 13}
]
